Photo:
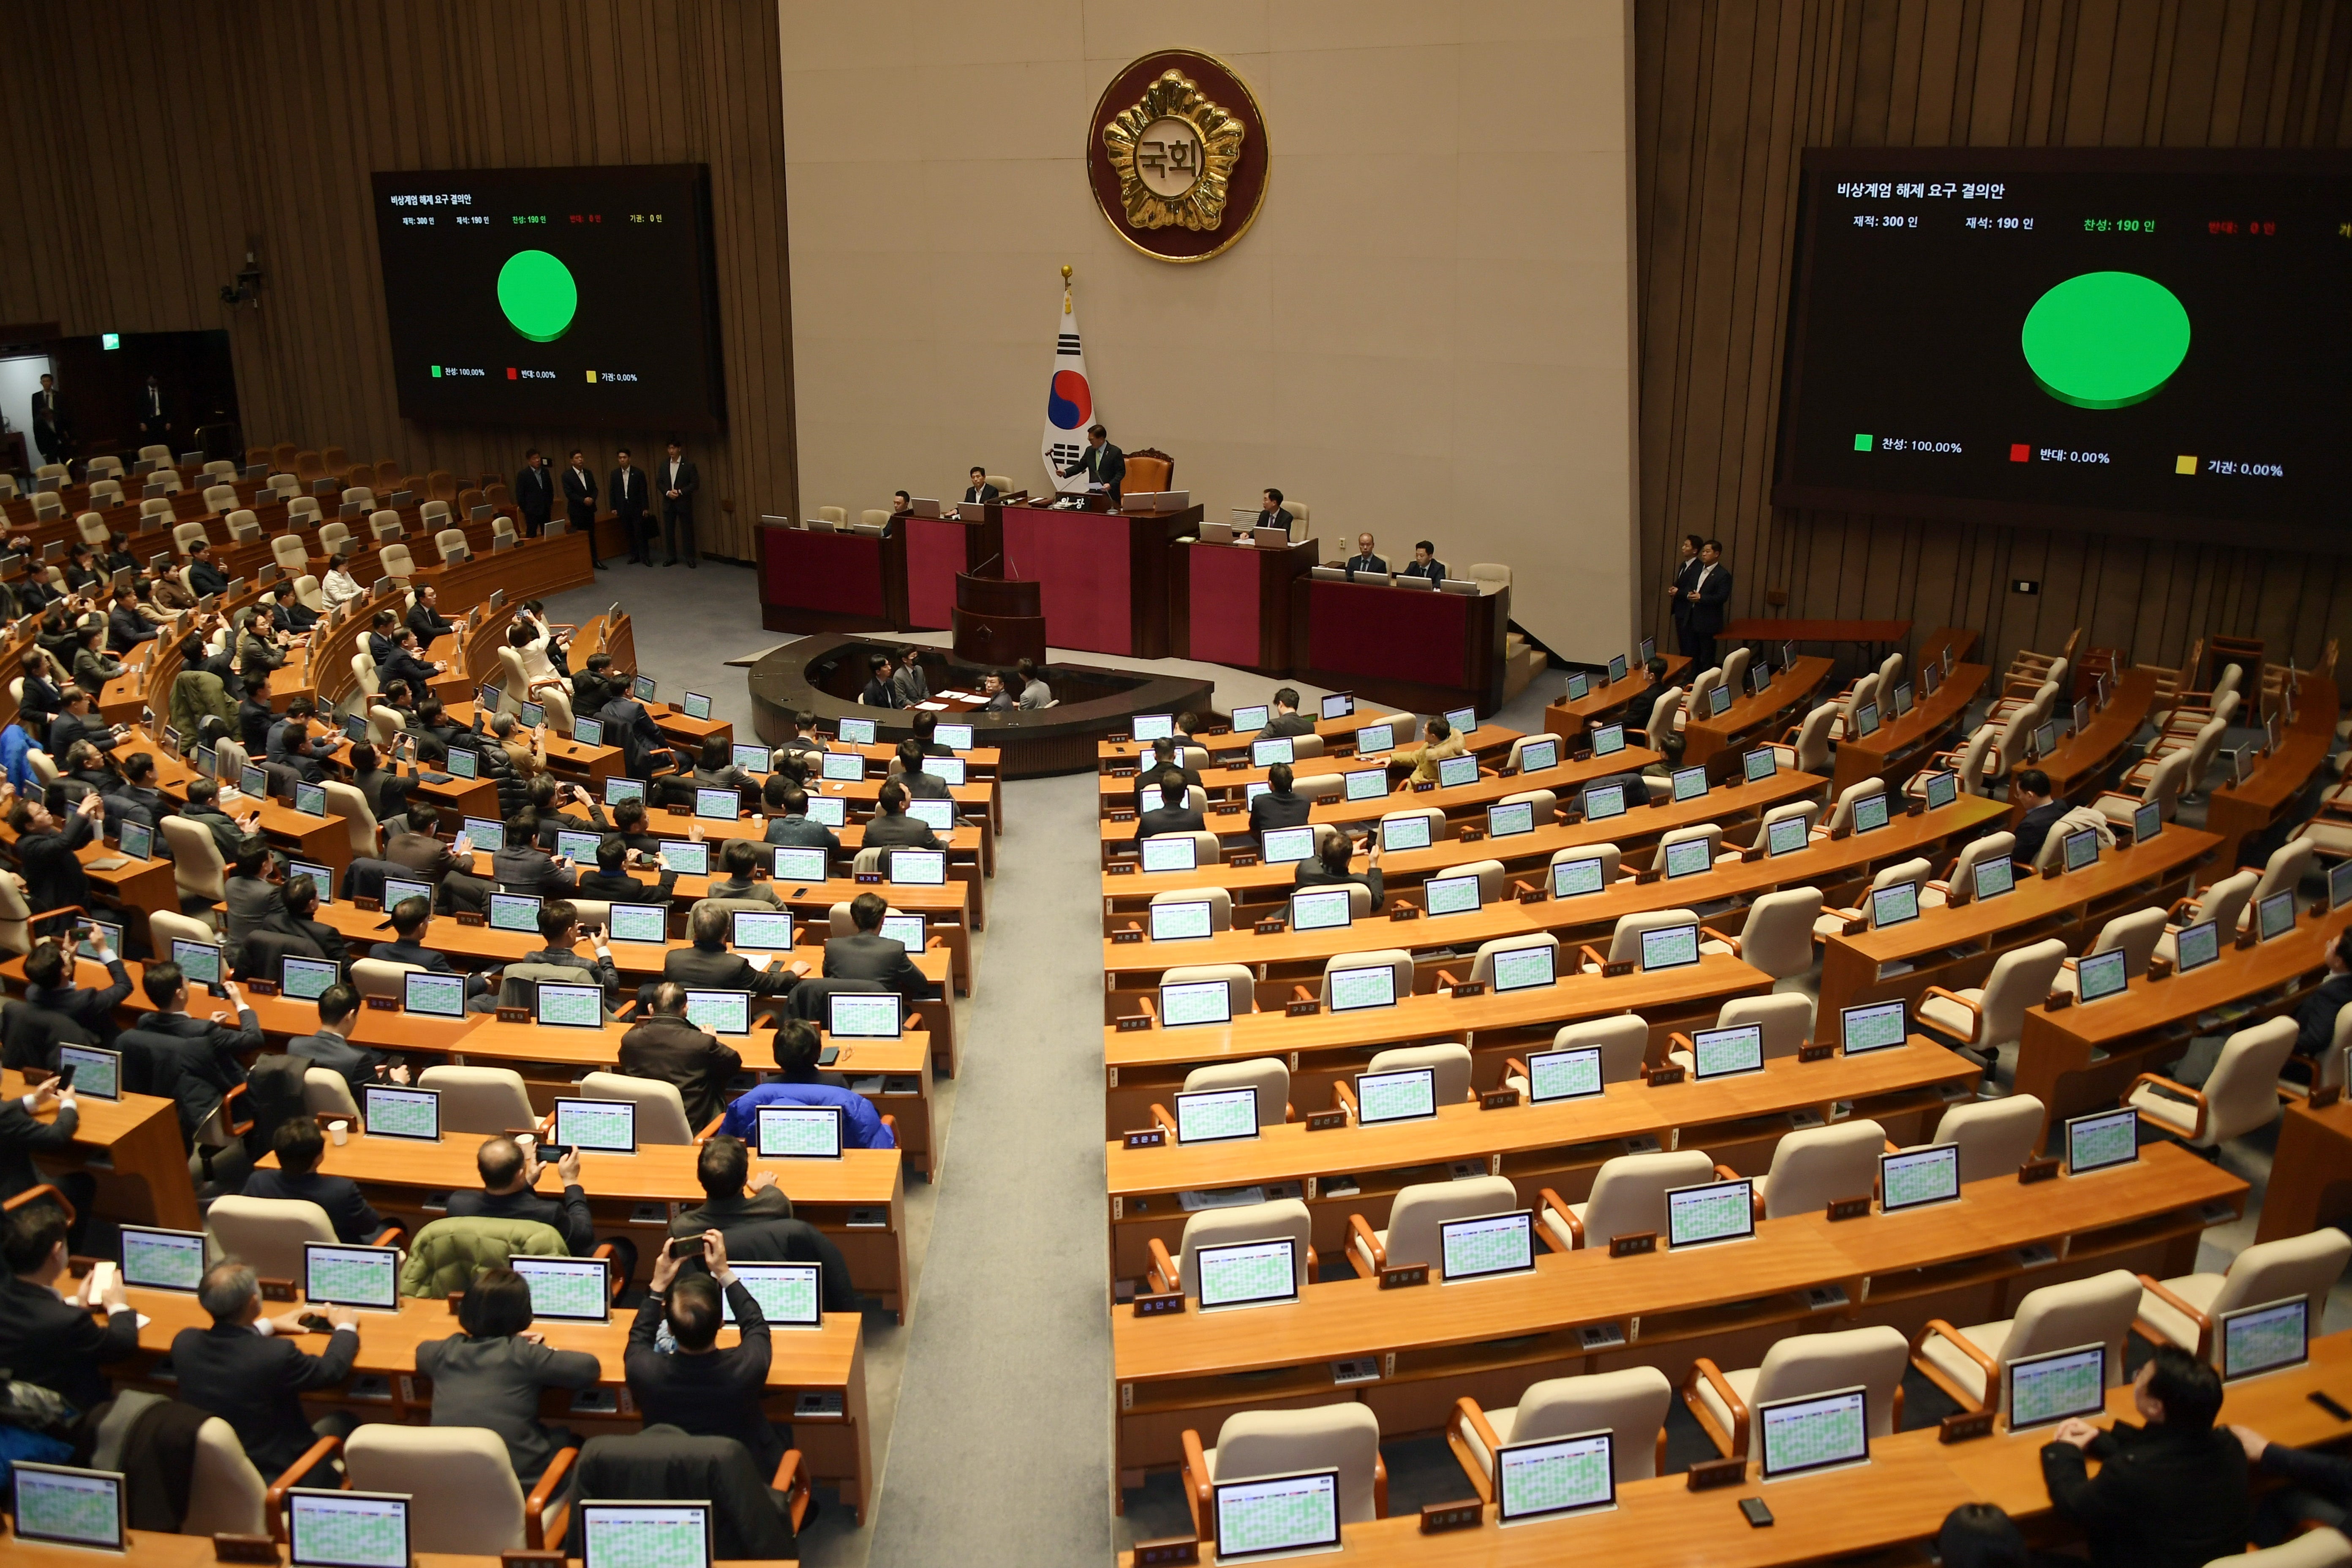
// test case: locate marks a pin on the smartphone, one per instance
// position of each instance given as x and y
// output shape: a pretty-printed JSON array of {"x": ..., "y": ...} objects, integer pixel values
[
  {"x": 2325, "y": 1403},
  {"x": 1759, "y": 1515},
  {"x": 686, "y": 1247},
  {"x": 825, "y": 1057},
  {"x": 64, "y": 1080},
  {"x": 101, "y": 1275}
]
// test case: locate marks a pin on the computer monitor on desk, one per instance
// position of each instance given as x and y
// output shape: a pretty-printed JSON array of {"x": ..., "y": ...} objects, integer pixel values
[
  {"x": 1276, "y": 1515},
  {"x": 1814, "y": 1432}
]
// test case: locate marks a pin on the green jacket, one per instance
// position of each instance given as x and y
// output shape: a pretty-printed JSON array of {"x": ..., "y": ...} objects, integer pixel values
[
  {"x": 450, "y": 1254},
  {"x": 195, "y": 694}
]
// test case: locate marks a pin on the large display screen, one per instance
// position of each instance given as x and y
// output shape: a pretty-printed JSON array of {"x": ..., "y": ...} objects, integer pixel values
[
  {"x": 551, "y": 295},
  {"x": 2155, "y": 341}
]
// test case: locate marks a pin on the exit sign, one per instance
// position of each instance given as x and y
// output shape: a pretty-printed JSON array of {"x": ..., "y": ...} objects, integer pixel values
[{"x": 110, "y": 340}]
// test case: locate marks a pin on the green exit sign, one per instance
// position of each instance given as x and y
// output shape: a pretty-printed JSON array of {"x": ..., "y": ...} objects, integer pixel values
[{"x": 110, "y": 340}]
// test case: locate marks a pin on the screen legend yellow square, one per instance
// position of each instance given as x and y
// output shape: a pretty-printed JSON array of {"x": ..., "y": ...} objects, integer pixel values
[
  {"x": 2185, "y": 465},
  {"x": 592, "y": 381}
]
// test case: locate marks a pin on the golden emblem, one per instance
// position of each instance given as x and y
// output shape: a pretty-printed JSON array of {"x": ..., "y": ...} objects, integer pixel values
[{"x": 1174, "y": 153}]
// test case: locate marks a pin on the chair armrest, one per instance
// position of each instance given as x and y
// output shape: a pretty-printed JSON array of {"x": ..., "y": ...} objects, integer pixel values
[
  {"x": 1552, "y": 1201},
  {"x": 2181, "y": 909},
  {"x": 2179, "y": 1091},
  {"x": 44, "y": 1191},
  {"x": 2115, "y": 795},
  {"x": 535, "y": 1514},
  {"x": 1591, "y": 955},
  {"x": 1196, "y": 1480},
  {"x": 1466, "y": 1421},
  {"x": 1975, "y": 1010},
  {"x": 389, "y": 1233},
  {"x": 792, "y": 1481},
  {"x": 1724, "y": 1173},
  {"x": 1728, "y": 940},
  {"x": 273, "y": 1502},
  {"x": 1300, "y": 994},
  {"x": 1892, "y": 1146},
  {"x": 1162, "y": 1117},
  {"x": 1938, "y": 1328},
  {"x": 1515, "y": 1066},
  {"x": 1162, "y": 1276},
  {"x": 614, "y": 1281},
  {"x": 711, "y": 1131},
  {"x": 2204, "y": 1322},
  {"x": 1380, "y": 1485},
  {"x": 228, "y": 1111},
  {"x": 1359, "y": 1234},
  {"x": 1344, "y": 1098},
  {"x": 1731, "y": 1445}
]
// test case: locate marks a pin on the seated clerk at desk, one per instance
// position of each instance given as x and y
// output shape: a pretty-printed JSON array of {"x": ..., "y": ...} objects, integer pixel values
[
  {"x": 252, "y": 1371},
  {"x": 509, "y": 1173},
  {"x": 300, "y": 1146},
  {"x": 2030, "y": 788},
  {"x": 866, "y": 954},
  {"x": 331, "y": 1046},
  {"x": 2171, "y": 1493},
  {"x": 926, "y": 734},
  {"x": 880, "y": 692},
  {"x": 1424, "y": 563},
  {"x": 1035, "y": 692},
  {"x": 1330, "y": 867},
  {"x": 1363, "y": 560},
  {"x": 611, "y": 880},
  {"x": 559, "y": 929},
  {"x": 663, "y": 1047},
  {"x": 55, "y": 1010},
  {"x": 1270, "y": 513},
  {"x": 909, "y": 681},
  {"x": 788, "y": 818},
  {"x": 703, "y": 1389},
  {"x": 730, "y": 1204},
  {"x": 980, "y": 489},
  {"x": 422, "y": 854},
  {"x": 493, "y": 1370},
  {"x": 1278, "y": 806},
  {"x": 708, "y": 965},
  {"x": 412, "y": 919},
  {"x": 797, "y": 1047},
  {"x": 799, "y": 737},
  {"x": 47, "y": 1339},
  {"x": 1164, "y": 760},
  {"x": 738, "y": 857},
  {"x": 1438, "y": 742},
  {"x": 999, "y": 700},
  {"x": 1286, "y": 719}
]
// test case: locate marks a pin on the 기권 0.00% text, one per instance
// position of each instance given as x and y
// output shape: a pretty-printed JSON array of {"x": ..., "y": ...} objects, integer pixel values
[{"x": 2249, "y": 470}]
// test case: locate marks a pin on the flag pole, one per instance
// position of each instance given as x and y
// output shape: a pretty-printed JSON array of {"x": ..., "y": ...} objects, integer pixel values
[{"x": 1065, "y": 287}]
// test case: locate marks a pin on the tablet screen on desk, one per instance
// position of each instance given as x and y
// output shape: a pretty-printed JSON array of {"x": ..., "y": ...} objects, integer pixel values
[
  {"x": 1187, "y": 920},
  {"x": 1570, "y": 1074},
  {"x": 800, "y": 1132},
  {"x": 1578, "y": 686},
  {"x": 1555, "y": 1476},
  {"x": 1916, "y": 1177},
  {"x": 1249, "y": 719},
  {"x": 572, "y": 1289},
  {"x": 828, "y": 810},
  {"x": 1450, "y": 895},
  {"x": 2100, "y": 975},
  {"x": 1687, "y": 858},
  {"x": 684, "y": 856},
  {"x": 1248, "y": 1273},
  {"x": 791, "y": 1295},
  {"x": 69, "y": 1507},
  {"x": 1608, "y": 739},
  {"x": 1510, "y": 818},
  {"x": 721, "y": 1012},
  {"x": 515, "y": 912},
  {"x": 1525, "y": 968},
  {"x": 155, "y": 1259},
  {"x": 1872, "y": 1026},
  {"x": 1537, "y": 756},
  {"x": 396, "y": 1110},
  {"x": 1154, "y": 726},
  {"x": 1573, "y": 878},
  {"x": 1408, "y": 1094},
  {"x": 1870, "y": 813},
  {"x": 532, "y": 714},
  {"x": 558, "y": 1006},
  {"x": 96, "y": 1072},
  {"x": 696, "y": 705},
  {"x": 1487, "y": 1245},
  {"x": 2080, "y": 850},
  {"x": 717, "y": 805},
  {"x": 1319, "y": 909},
  {"x": 2049, "y": 1388},
  {"x": 2339, "y": 884},
  {"x": 866, "y": 1015},
  {"x": 947, "y": 770},
  {"x": 1286, "y": 846},
  {"x": 1189, "y": 1001},
  {"x": 793, "y": 863},
  {"x": 845, "y": 766},
  {"x": 1903, "y": 700},
  {"x": 637, "y": 922},
  {"x": 1895, "y": 905},
  {"x": 351, "y": 1275},
  {"x": 1461, "y": 720},
  {"x": 597, "y": 1126},
  {"x": 1339, "y": 705},
  {"x": 1719, "y": 701},
  {"x": 1669, "y": 947},
  {"x": 645, "y": 1534},
  {"x": 486, "y": 834},
  {"x": 1274, "y": 749},
  {"x": 2263, "y": 1339},
  {"x": 854, "y": 731},
  {"x": 588, "y": 731},
  {"x": 929, "y": 868},
  {"x": 1367, "y": 783},
  {"x": 1814, "y": 1432},
  {"x": 2102, "y": 1140},
  {"x": 2275, "y": 916},
  {"x": 1690, "y": 783},
  {"x": 1278, "y": 1515},
  {"x": 1372, "y": 987},
  {"x": 1604, "y": 802},
  {"x": 643, "y": 688},
  {"x": 2199, "y": 945},
  {"x": 1786, "y": 835},
  {"x": 1375, "y": 738},
  {"x": 1865, "y": 721},
  {"x": 2147, "y": 822},
  {"x": 1942, "y": 790},
  {"x": 200, "y": 962},
  {"x": 1759, "y": 764},
  {"x": 618, "y": 789},
  {"x": 1994, "y": 876},
  {"x": 580, "y": 848},
  {"x": 1617, "y": 668},
  {"x": 138, "y": 841},
  {"x": 1717, "y": 1211},
  {"x": 1163, "y": 852},
  {"x": 954, "y": 737},
  {"x": 1727, "y": 1053},
  {"x": 433, "y": 995},
  {"x": 907, "y": 930},
  {"x": 1217, "y": 1115},
  {"x": 1404, "y": 833},
  {"x": 938, "y": 815},
  {"x": 1455, "y": 772}
]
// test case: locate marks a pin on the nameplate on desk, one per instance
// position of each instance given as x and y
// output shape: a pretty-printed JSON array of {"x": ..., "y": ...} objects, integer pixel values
[
  {"x": 1644, "y": 878},
  {"x": 2247, "y": 939},
  {"x": 1230, "y": 811},
  {"x": 1469, "y": 988},
  {"x": 1422, "y": 787},
  {"x": 1326, "y": 1121},
  {"x": 1122, "y": 816},
  {"x": 2052, "y": 871},
  {"x": 2058, "y": 1001},
  {"x": 1405, "y": 912},
  {"x": 2034, "y": 1171},
  {"x": 372, "y": 906},
  {"x": 1167, "y": 1553},
  {"x": 1242, "y": 766},
  {"x": 1305, "y": 1009},
  {"x": 1497, "y": 1098},
  {"x": 1816, "y": 1053},
  {"x": 1531, "y": 895},
  {"x": 1241, "y": 859},
  {"x": 276, "y": 1290},
  {"x": 1328, "y": 799},
  {"x": 2159, "y": 969},
  {"x": 2322, "y": 1098},
  {"x": 1122, "y": 773},
  {"x": 1129, "y": 1025},
  {"x": 1147, "y": 1138},
  {"x": 231, "y": 1546},
  {"x": 1115, "y": 869},
  {"x": 468, "y": 917},
  {"x": 1404, "y": 1276},
  {"x": 1437, "y": 1518},
  {"x": 1126, "y": 936},
  {"x": 514, "y": 1014},
  {"x": 1472, "y": 835},
  {"x": 1118, "y": 738},
  {"x": 457, "y": 1299},
  {"x": 1712, "y": 1475},
  {"x": 869, "y": 877},
  {"x": 1967, "y": 1425},
  {"x": 1616, "y": 968},
  {"x": 1160, "y": 1305},
  {"x": 1269, "y": 928},
  {"x": 1849, "y": 1208},
  {"x": 1659, "y": 1077},
  {"x": 1633, "y": 1243},
  {"x": 1749, "y": 857},
  {"x": 383, "y": 1003},
  {"x": 262, "y": 987}
]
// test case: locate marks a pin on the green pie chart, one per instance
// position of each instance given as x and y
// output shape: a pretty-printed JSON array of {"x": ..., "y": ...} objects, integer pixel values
[
  {"x": 538, "y": 295},
  {"x": 2105, "y": 340}
]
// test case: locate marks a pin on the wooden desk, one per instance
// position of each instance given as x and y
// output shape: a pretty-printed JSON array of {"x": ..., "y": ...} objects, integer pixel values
[
  {"x": 1877, "y": 635},
  {"x": 1738, "y": 1121},
  {"x": 1572, "y": 717},
  {"x": 2311, "y": 1174},
  {"x": 152, "y": 1548},
  {"x": 2071, "y": 907},
  {"x": 1419, "y": 648},
  {"x": 400, "y": 1174},
  {"x": 828, "y": 1359},
  {"x": 1230, "y": 603},
  {"x": 132, "y": 1147},
  {"x": 2239, "y": 811},
  {"x": 1103, "y": 577},
  {"x": 1716, "y": 742},
  {"x": 1491, "y": 1339},
  {"x": 2082, "y": 762},
  {"x": 1900, "y": 747}
]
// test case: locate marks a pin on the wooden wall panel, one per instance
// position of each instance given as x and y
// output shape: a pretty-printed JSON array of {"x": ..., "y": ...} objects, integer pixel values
[
  {"x": 156, "y": 143},
  {"x": 1728, "y": 93}
]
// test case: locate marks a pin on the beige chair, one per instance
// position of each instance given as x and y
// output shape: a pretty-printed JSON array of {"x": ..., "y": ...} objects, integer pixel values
[
  {"x": 1221, "y": 904},
  {"x": 196, "y": 863},
  {"x": 2317, "y": 1548},
  {"x": 1217, "y": 1227},
  {"x": 1448, "y": 1061},
  {"x": 1611, "y": 857},
  {"x": 2224, "y": 903},
  {"x": 2166, "y": 783},
  {"x": 1841, "y": 814},
  {"x": 479, "y": 1100},
  {"x": 1433, "y": 815},
  {"x": 2289, "y": 864},
  {"x": 450, "y": 543},
  {"x": 1726, "y": 1403},
  {"x": 1707, "y": 833},
  {"x": 2183, "y": 1310},
  {"x": 1960, "y": 887},
  {"x": 1622, "y": 1041},
  {"x": 1520, "y": 746},
  {"x": 225, "y": 1493},
  {"x": 382, "y": 977},
  {"x": 1665, "y": 715},
  {"x": 1625, "y": 938},
  {"x": 220, "y": 498},
  {"x": 1629, "y": 1196},
  {"x": 661, "y": 1109},
  {"x": 268, "y": 1233},
  {"x": 303, "y": 511},
  {"x": 1985, "y": 1018},
  {"x": 383, "y": 528},
  {"x": 307, "y": 594},
  {"x": 187, "y": 536},
  {"x": 1834, "y": 921},
  {"x": 477, "y": 1505},
  {"x": 326, "y": 1090},
  {"x": 396, "y": 562},
  {"x": 16, "y": 917},
  {"x": 1778, "y": 936},
  {"x": 364, "y": 495},
  {"x": 1242, "y": 986},
  {"x": 1267, "y": 1075},
  {"x": 2241, "y": 1096},
  {"x": 1809, "y": 810},
  {"x": 1967, "y": 1364},
  {"x": 1414, "y": 1216},
  {"x": 1396, "y": 958},
  {"x": 1482, "y": 962},
  {"x": 1995, "y": 1136},
  {"x": 2135, "y": 935},
  {"x": 345, "y": 801},
  {"x": 333, "y": 537},
  {"x": 90, "y": 523},
  {"x": 1344, "y": 1437},
  {"x": 1816, "y": 1167},
  {"x": 1735, "y": 668},
  {"x": 1631, "y": 1406}
]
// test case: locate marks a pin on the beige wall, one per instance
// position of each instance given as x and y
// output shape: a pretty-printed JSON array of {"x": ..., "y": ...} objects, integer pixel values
[{"x": 1428, "y": 331}]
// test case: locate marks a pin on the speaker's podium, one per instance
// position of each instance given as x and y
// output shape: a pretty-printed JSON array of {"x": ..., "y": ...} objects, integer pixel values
[{"x": 998, "y": 620}]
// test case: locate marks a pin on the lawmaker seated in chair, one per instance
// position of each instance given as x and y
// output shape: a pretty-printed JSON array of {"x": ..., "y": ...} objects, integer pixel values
[
  {"x": 1424, "y": 563},
  {"x": 493, "y": 1370},
  {"x": 797, "y": 1047}
]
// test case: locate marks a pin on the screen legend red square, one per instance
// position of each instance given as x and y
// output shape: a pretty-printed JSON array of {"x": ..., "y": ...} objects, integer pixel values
[
  {"x": 510, "y": 376},
  {"x": 2019, "y": 451}
]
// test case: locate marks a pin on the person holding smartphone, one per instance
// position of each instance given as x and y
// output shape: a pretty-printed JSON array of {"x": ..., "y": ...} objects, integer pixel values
[{"x": 703, "y": 1389}]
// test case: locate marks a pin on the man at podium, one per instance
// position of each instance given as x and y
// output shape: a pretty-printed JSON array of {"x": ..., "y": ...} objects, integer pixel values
[
  {"x": 981, "y": 489},
  {"x": 1271, "y": 515},
  {"x": 1103, "y": 464}
]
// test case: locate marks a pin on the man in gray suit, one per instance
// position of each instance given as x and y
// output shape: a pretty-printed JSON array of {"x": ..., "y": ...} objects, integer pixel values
[
  {"x": 890, "y": 825},
  {"x": 869, "y": 956}
]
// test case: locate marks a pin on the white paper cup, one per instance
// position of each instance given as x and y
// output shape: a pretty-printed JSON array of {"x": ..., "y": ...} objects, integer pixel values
[{"x": 338, "y": 1131}]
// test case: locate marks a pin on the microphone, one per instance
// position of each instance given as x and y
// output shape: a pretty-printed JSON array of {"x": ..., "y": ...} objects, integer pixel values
[{"x": 985, "y": 564}]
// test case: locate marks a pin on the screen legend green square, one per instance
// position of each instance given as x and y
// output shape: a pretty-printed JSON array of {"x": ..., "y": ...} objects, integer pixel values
[
  {"x": 437, "y": 370},
  {"x": 1862, "y": 443}
]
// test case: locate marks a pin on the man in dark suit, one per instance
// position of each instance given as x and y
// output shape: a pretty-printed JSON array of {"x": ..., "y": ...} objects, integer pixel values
[
  {"x": 1285, "y": 719},
  {"x": 1331, "y": 868},
  {"x": 677, "y": 481},
  {"x": 24, "y": 1134},
  {"x": 48, "y": 427},
  {"x": 1278, "y": 807},
  {"x": 869, "y": 956},
  {"x": 2314, "y": 1016},
  {"x": 330, "y": 1046},
  {"x": 425, "y": 617},
  {"x": 1270, "y": 513},
  {"x": 300, "y": 1146},
  {"x": 789, "y": 821},
  {"x": 1645, "y": 701},
  {"x": 254, "y": 1377},
  {"x": 534, "y": 493},
  {"x": 890, "y": 826},
  {"x": 195, "y": 1061},
  {"x": 50, "y": 994},
  {"x": 1424, "y": 563},
  {"x": 666, "y": 1048},
  {"x": 154, "y": 416},
  {"x": 1176, "y": 812},
  {"x": 1678, "y": 591},
  {"x": 420, "y": 852},
  {"x": 48, "y": 1339},
  {"x": 1102, "y": 463},
  {"x": 627, "y": 487},
  {"x": 1164, "y": 760},
  {"x": 289, "y": 614},
  {"x": 45, "y": 847},
  {"x": 727, "y": 1203},
  {"x": 2030, "y": 788},
  {"x": 1364, "y": 560},
  {"x": 526, "y": 867},
  {"x": 1709, "y": 591},
  {"x": 205, "y": 575},
  {"x": 411, "y": 919},
  {"x": 701, "y": 1389},
  {"x": 2170, "y": 1493},
  {"x": 579, "y": 501},
  {"x": 880, "y": 692},
  {"x": 979, "y": 490},
  {"x": 509, "y": 1175},
  {"x": 126, "y": 628},
  {"x": 920, "y": 785},
  {"x": 708, "y": 965}
]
